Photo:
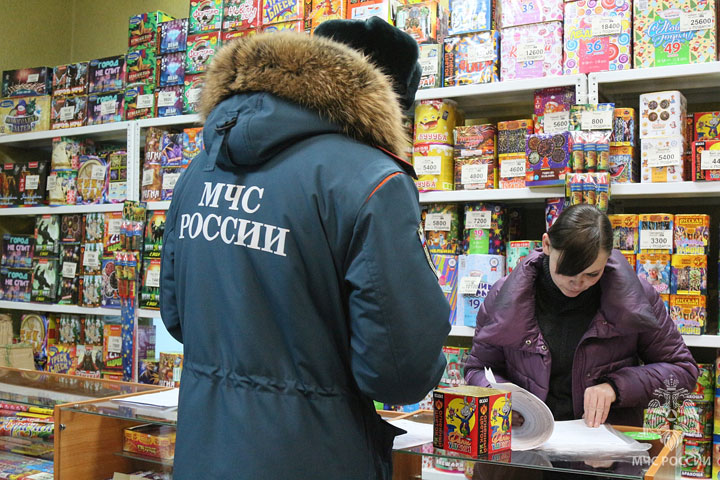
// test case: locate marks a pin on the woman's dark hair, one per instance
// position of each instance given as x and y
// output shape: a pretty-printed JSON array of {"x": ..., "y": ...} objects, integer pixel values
[{"x": 579, "y": 233}]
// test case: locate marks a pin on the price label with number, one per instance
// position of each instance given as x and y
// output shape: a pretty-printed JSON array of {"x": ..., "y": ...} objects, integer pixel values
[
  {"x": 530, "y": 52},
  {"x": 429, "y": 165},
  {"x": 656, "y": 240},
  {"x": 471, "y": 174},
  {"x": 469, "y": 285},
  {"x": 166, "y": 99},
  {"x": 114, "y": 226},
  {"x": 710, "y": 160},
  {"x": 665, "y": 157},
  {"x": 69, "y": 269},
  {"x": 153, "y": 278},
  {"x": 429, "y": 66},
  {"x": 512, "y": 168},
  {"x": 33, "y": 77},
  {"x": 98, "y": 173},
  {"x": 438, "y": 222},
  {"x": 602, "y": 26},
  {"x": 51, "y": 182},
  {"x": 148, "y": 177},
  {"x": 91, "y": 259},
  {"x": 114, "y": 344},
  {"x": 193, "y": 95},
  {"x": 169, "y": 181},
  {"x": 108, "y": 108},
  {"x": 556, "y": 122},
  {"x": 32, "y": 182},
  {"x": 602, "y": 120},
  {"x": 145, "y": 101},
  {"x": 66, "y": 113},
  {"x": 704, "y": 20},
  {"x": 480, "y": 53},
  {"x": 478, "y": 220}
]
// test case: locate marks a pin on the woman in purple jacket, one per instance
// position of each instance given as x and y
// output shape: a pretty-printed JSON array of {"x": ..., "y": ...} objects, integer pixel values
[{"x": 574, "y": 325}]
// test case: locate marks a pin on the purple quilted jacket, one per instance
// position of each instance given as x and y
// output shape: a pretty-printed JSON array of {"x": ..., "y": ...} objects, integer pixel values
[{"x": 631, "y": 340}]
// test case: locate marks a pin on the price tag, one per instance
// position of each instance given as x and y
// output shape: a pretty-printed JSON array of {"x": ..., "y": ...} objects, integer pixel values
[
  {"x": 98, "y": 173},
  {"x": 169, "y": 181},
  {"x": 117, "y": 189},
  {"x": 602, "y": 26},
  {"x": 32, "y": 182},
  {"x": 512, "y": 168},
  {"x": 471, "y": 153},
  {"x": 530, "y": 52},
  {"x": 114, "y": 226},
  {"x": 471, "y": 174},
  {"x": 710, "y": 160},
  {"x": 656, "y": 240},
  {"x": 478, "y": 220},
  {"x": 665, "y": 157},
  {"x": 148, "y": 177},
  {"x": 32, "y": 78},
  {"x": 153, "y": 279},
  {"x": 438, "y": 222},
  {"x": 428, "y": 165},
  {"x": 481, "y": 53},
  {"x": 69, "y": 269},
  {"x": 145, "y": 101},
  {"x": 704, "y": 20},
  {"x": 51, "y": 182},
  {"x": 469, "y": 285},
  {"x": 108, "y": 108},
  {"x": 91, "y": 259},
  {"x": 166, "y": 99},
  {"x": 115, "y": 344},
  {"x": 602, "y": 120},
  {"x": 66, "y": 113},
  {"x": 193, "y": 95},
  {"x": 429, "y": 66},
  {"x": 556, "y": 122}
]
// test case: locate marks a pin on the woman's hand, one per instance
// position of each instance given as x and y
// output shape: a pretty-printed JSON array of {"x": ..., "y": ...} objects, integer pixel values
[
  {"x": 597, "y": 404},
  {"x": 517, "y": 420}
]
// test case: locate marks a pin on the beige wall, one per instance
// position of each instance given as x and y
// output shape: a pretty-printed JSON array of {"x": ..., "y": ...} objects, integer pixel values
[{"x": 54, "y": 32}]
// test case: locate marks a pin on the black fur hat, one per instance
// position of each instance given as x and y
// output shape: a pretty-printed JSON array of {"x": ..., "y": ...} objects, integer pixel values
[{"x": 392, "y": 50}]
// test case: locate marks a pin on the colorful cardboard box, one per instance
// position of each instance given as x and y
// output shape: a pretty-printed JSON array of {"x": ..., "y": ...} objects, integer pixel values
[
  {"x": 531, "y": 51},
  {"x": 205, "y": 16},
  {"x": 169, "y": 101},
  {"x": 71, "y": 79},
  {"x": 548, "y": 157},
  {"x": 24, "y": 114},
  {"x": 471, "y": 58},
  {"x": 293, "y": 26},
  {"x": 435, "y": 121},
  {"x": 655, "y": 269},
  {"x": 442, "y": 229},
  {"x": 17, "y": 250},
  {"x": 454, "y": 374},
  {"x": 692, "y": 234},
  {"x": 656, "y": 232},
  {"x": 472, "y": 420},
  {"x": 524, "y": 12},
  {"x": 140, "y": 66},
  {"x": 434, "y": 165},
  {"x": 662, "y": 160},
  {"x": 623, "y": 165},
  {"x": 431, "y": 61},
  {"x": 518, "y": 250},
  {"x": 706, "y": 161},
  {"x": 512, "y": 136},
  {"x": 663, "y": 114},
  {"x": 324, "y": 10},
  {"x": 105, "y": 108},
  {"x": 624, "y": 127},
  {"x": 140, "y": 102},
  {"x": 447, "y": 268},
  {"x": 553, "y": 101},
  {"x": 68, "y": 112},
  {"x": 27, "y": 82},
  {"x": 419, "y": 20},
  {"x": 485, "y": 229},
  {"x": 173, "y": 36},
  {"x": 106, "y": 74},
  {"x": 364, "y": 9},
  {"x": 281, "y": 11},
  {"x": 598, "y": 36},
  {"x": 471, "y": 16},
  {"x": 659, "y": 38},
  {"x": 478, "y": 172},
  {"x": 486, "y": 269},
  {"x": 191, "y": 92},
  {"x": 143, "y": 28},
  {"x": 705, "y": 126},
  {"x": 689, "y": 275},
  {"x": 689, "y": 313},
  {"x": 156, "y": 441},
  {"x": 625, "y": 233},
  {"x": 241, "y": 14},
  {"x": 201, "y": 49}
]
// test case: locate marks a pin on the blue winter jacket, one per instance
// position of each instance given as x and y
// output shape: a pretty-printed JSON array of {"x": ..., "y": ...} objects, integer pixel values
[{"x": 293, "y": 271}]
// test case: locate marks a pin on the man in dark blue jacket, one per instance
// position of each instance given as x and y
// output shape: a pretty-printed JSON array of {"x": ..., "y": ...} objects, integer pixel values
[{"x": 293, "y": 270}]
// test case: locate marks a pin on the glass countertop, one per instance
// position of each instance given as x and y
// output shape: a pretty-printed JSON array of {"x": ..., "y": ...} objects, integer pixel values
[{"x": 112, "y": 409}]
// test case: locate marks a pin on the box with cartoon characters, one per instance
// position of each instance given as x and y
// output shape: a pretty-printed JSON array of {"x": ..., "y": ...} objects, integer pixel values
[
  {"x": 518, "y": 250},
  {"x": 689, "y": 313},
  {"x": 706, "y": 161},
  {"x": 692, "y": 233},
  {"x": 205, "y": 16},
  {"x": 435, "y": 121},
  {"x": 476, "y": 276},
  {"x": 454, "y": 374},
  {"x": 472, "y": 420},
  {"x": 201, "y": 49},
  {"x": 24, "y": 114},
  {"x": 471, "y": 58},
  {"x": 281, "y": 11},
  {"x": 655, "y": 269},
  {"x": 531, "y": 51},
  {"x": 442, "y": 228}
]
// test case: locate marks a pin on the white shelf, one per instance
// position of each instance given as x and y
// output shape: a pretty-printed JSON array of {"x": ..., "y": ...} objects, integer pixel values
[
  {"x": 158, "y": 205},
  {"x": 60, "y": 209},
  {"x": 504, "y": 194},
  {"x": 43, "y": 307},
  {"x": 462, "y": 331},
  {"x": 169, "y": 121},
  {"x": 665, "y": 190},
  {"x": 107, "y": 131},
  {"x": 707, "y": 341},
  {"x": 145, "y": 313}
]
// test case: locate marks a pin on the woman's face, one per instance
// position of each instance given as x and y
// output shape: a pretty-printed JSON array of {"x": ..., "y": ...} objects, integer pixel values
[{"x": 575, "y": 285}]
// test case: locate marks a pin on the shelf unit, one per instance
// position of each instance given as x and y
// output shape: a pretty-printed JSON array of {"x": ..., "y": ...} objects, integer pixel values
[
  {"x": 60, "y": 209},
  {"x": 164, "y": 205},
  {"x": 505, "y": 195},
  {"x": 53, "y": 308},
  {"x": 106, "y": 132},
  {"x": 146, "y": 313}
]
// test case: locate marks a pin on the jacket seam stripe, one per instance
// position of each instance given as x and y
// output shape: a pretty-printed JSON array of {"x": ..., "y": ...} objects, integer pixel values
[{"x": 381, "y": 184}]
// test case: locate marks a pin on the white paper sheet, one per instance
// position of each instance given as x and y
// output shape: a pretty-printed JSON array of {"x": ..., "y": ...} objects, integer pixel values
[
  {"x": 165, "y": 400},
  {"x": 574, "y": 436},
  {"x": 417, "y": 434}
]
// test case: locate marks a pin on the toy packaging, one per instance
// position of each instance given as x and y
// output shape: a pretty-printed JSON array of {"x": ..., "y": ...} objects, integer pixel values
[
  {"x": 281, "y": 11},
  {"x": 173, "y": 36},
  {"x": 512, "y": 136},
  {"x": 24, "y": 114},
  {"x": 47, "y": 235},
  {"x": 62, "y": 187},
  {"x": 486, "y": 269},
  {"x": 192, "y": 144},
  {"x": 705, "y": 126},
  {"x": 659, "y": 38},
  {"x": 598, "y": 36},
  {"x": 706, "y": 161},
  {"x": 548, "y": 157},
  {"x": 472, "y": 420},
  {"x": 106, "y": 74},
  {"x": 140, "y": 66},
  {"x": 156, "y": 441},
  {"x": 435, "y": 121},
  {"x": 525, "y": 12},
  {"x": 170, "y": 101},
  {"x": 662, "y": 160},
  {"x": 434, "y": 165},
  {"x": 689, "y": 275},
  {"x": 656, "y": 232},
  {"x": 154, "y": 230},
  {"x": 447, "y": 269},
  {"x": 624, "y": 126},
  {"x": 625, "y": 233},
  {"x": 34, "y": 332},
  {"x": 62, "y": 359},
  {"x": 241, "y": 14},
  {"x": 454, "y": 374},
  {"x": 692, "y": 233},
  {"x": 16, "y": 284},
  {"x": 112, "y": 348},
  {"x": 442, "y": 230},
  {"x": 655, "y": 269},
  {"x": 27, "y": 82},
  {"x": 71, "y": 79},
  {"x": 191, "y": 92},
  {"x": 117, "y": 185},
  {"x": 31, "y": 182},
  {"x": 201, "y": 49},
  {"x": 143, "y": 28},
  {"x": 92, "y": 180},
  {"x": 68, "y": 112},
  {"x": 17, "y": 250},
  {"x": 662, "y": 114},
  {"x": 44, "y": 280},
  {"x": 554, "y": 102},
  {"x": 139, "y": 102},
  {"x": 105, "y": 108},
  {"x": 205, "y": 16},
  {"x": 485, "y": 229},
  {"x": 419, "y": 20},
  {"x": 172, "y": 69},
  {"x": 512, "y": 170},
  {"x": 170, "y": 369},
  {"x": 431, "y": 61},
  {"x": 518, "y": 250},
  {"x": 471, "y": 16},
  {"x": 150, "y": 289},
  {"x": 531, "y": 51},
  {"x": 471, "y": 58},
  {"x": 476, "y": 172}
]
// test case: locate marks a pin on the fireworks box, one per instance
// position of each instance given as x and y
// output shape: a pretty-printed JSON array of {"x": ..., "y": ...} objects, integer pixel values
[
  {"x": 154, "y": 230},
  {"x": 140, "y": 66},
  {"x": 26, "y": 82},
  {"x": 454, "y": 374},
  {"x": 692, "y": 233},
  {"x": 173, "y": 36},
  {"x": 446, "y": 266},
  {"x": 16, "y": 284},
  {"x": 106, "y": 108},
  {"x": 191, "y": 92},
  {"x": 625, "y": 232},
  {"x": 170, "y": 101},
  {"x": 17, "y": 250},
  {"x": 201, "y": 49},
  {"x": 689, "y": 313},
  {"x": 62, "y": 359},
  {"x": 31, "y": 183},
  {"x": 706, "y": 161},
  {"x": 24, "y": 114},
  {"x": 689, "y": 275},
  {"x": 170, "y": 369},
  {"x": 106, "y": 74},
  {"x": 430, "y": 60},
  {"x": 656, "y": 232},
  {"x": 157, "y": 441},
  {"x": 112, "y": 348},
  {"x": 477, "y": 274},
  {"x": 172, "y": 69},
  {"x": 472, "y": 420},
  {"x": 205, "y": 16},
  {"x": 117, "y": 186},
  {"x": 148, "y": 372},
  {"x": 71, "y": 79},
  {"x": 44, "y": 280},
  {"x": 150, "y": 290},
  {"x": 68, "y": 112},
  {"x": 241, "y": 14},
  {"x": 192, "y": 144},
  {"x": 143, "y": 28},
  {"x": 47, "y": 235}
]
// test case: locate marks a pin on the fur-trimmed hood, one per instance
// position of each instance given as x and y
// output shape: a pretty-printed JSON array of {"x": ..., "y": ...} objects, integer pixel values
[{"x": 319, "y": 74}]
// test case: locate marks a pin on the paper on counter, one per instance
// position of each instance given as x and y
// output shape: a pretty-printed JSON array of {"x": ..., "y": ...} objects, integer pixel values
[{"x": 417, "y": 434}]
